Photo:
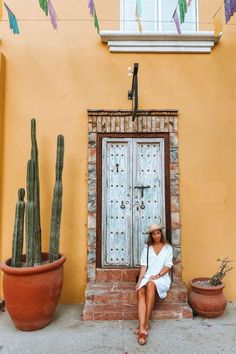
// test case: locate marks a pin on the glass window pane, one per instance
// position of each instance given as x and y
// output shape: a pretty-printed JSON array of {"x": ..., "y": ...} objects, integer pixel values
[
  {"x": 167, "y": 10},
  {"x": 148, "y": 15}
]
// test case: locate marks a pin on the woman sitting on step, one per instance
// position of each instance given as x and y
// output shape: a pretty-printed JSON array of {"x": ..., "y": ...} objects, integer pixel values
[{"x": 156, "y": 262}]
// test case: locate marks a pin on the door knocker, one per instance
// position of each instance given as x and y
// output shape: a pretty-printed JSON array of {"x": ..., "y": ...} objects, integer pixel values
[
  {"x": 122, "y": 205},
  {"x": 142, "y": 206}
]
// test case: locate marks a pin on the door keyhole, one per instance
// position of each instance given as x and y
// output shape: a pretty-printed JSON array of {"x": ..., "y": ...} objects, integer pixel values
[{"x": 117, "y": 167}]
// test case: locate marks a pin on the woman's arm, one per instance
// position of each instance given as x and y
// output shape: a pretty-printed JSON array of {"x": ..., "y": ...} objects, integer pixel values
[
  {"x": 160, "y": 274},
  {"x": 141, "y": 274}
]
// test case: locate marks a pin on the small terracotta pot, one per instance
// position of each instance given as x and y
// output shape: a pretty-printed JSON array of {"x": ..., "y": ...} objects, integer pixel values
[
  {"x": 31, "y": 294},
  {"x": 207, "y": 301}
]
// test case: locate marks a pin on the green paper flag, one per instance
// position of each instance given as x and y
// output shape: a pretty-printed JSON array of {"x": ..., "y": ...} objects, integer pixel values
[
  {"x": 182, "y": 10},
  {"x": 96, "y": 24},
  {"x": 44, "y": 6}
]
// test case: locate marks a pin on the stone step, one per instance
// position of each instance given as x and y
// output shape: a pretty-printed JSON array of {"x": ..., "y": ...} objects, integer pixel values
[
  {"x": 120, "y": 275},
  {"x": 113, "y": 297},
  {"x": 129, "y": 312},
  {"x": 125, "y": 293}
]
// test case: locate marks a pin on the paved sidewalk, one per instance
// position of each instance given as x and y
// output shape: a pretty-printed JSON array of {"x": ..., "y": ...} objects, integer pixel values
[{"x": 68, "y": 334}]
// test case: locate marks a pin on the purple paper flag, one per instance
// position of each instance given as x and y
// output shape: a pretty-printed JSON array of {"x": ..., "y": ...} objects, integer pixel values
[
  {"x": 233, "y": 6},
  {"x": 175, "y": 17},
  {"x": 189, "y": 2},
  {"x": 52, "y": 14},
  {"x": 91, "y": 7},
  {"x": 227, "y": 10}
]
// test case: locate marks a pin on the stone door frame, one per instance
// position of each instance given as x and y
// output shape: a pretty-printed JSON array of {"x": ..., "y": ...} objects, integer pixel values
[{"x": 147, "y": 123}]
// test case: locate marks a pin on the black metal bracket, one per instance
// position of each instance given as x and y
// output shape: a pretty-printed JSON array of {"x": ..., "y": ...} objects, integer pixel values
[{"x": 133, "y": 93}]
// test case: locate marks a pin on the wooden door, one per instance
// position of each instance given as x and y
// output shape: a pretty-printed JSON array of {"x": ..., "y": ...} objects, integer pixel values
[
  {"x": 117, "y": 202},
  {"x": 133, "y": 196},
  {"x": 148, "y": 190}
]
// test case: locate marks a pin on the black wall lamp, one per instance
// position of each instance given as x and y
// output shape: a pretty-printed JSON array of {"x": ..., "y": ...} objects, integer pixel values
[{"x": 133, "y": 93}]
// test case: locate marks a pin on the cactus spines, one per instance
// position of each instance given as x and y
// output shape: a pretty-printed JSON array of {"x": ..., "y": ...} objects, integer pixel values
[
  {"x": 57, "y": 203},
  {"x": 30, "y": 214},
  {"x": 37, "y": 224},
  {"x": 17, "y": 244}
]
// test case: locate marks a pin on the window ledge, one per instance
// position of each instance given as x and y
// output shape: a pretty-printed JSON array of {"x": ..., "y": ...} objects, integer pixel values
[{"x": 159, "y": 42}]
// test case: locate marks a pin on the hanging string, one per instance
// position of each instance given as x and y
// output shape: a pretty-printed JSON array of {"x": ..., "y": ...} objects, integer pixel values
[{"x": 106, "y": 20}]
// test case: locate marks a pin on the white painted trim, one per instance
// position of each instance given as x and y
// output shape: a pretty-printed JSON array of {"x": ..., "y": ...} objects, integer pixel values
[
  {"x": 160, "y": 50},
  {"x": 160, "y": 42}
]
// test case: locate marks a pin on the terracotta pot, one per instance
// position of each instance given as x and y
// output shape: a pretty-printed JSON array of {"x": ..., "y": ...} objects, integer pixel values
[
  {"x": 207, "y": 301},
  {"x": 31, "y": 294}
]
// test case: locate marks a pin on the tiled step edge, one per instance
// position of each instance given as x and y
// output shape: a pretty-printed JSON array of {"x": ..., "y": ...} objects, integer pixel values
[{"x": 129, "y": 312}]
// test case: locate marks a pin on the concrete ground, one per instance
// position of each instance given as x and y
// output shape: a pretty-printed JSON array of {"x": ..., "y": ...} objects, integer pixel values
[{"x": 68, "y": 334}]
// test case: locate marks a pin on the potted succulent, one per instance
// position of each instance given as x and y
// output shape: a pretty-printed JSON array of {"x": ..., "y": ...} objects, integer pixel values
[
  {"x": 32, "y": 282},
  {"x": 206, "y": 294}
]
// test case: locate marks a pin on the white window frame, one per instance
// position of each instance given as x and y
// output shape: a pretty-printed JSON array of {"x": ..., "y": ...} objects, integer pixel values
[{"x": 158, "y": 23}]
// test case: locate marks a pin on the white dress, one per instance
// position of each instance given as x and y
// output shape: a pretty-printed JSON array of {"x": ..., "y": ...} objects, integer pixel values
[{"x": 155, "y": 264}]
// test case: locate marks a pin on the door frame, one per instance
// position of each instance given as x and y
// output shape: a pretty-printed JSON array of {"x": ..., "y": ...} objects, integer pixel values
[{"x": 100, "y": 136}]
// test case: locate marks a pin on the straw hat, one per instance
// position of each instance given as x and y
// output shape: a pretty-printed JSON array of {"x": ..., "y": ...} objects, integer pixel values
[{"x": 154, "y": 227}]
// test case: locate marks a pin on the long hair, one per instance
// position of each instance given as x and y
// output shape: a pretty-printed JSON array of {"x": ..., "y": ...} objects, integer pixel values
[{"x": 150, "y": 240}]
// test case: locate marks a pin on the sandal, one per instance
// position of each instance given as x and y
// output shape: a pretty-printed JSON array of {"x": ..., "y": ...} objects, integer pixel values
[{"x": 142, "y": 338}]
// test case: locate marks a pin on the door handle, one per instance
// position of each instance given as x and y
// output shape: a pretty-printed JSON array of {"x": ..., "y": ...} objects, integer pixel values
[{"x": 142, "y": 188}]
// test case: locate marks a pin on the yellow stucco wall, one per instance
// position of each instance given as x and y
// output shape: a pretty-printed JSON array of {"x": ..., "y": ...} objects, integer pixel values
[
  {"x": 2, "y": 89},
  {"x": 55, "y": 76}
]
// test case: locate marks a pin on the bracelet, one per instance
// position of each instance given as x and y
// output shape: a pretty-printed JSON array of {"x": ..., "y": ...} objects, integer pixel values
[{"x": 160, "y": 275}]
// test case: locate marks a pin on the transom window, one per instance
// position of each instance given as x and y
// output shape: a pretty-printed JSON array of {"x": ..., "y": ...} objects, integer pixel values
[{"x": 156, "y": 15}]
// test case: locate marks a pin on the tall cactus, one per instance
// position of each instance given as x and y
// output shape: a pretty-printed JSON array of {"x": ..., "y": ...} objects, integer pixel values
[
  {"x": 37, "y": 224},
  {"x": 17, "y": 244},
  {"x": 57, "y": 203},
  {"x": 30, "y": 214}
]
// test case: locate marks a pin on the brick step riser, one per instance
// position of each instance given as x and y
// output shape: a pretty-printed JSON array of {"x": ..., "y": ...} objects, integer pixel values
[
  {"x": 112, "y": 276},
  {"x": 174, "y": 296}
]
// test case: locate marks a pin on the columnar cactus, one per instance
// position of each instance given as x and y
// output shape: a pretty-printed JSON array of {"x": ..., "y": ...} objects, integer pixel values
[
  {"x": 32, "y": 210},
  {"x": 57, "y": 203},
  {"x": 37, "y": 224},
  {"x": 30, "y": 214},
  {"x": 17, "y": 244}
]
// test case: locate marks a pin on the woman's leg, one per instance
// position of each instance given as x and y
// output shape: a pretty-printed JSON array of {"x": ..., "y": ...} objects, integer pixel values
[
  {"x": 142, "y": 309},
  {"x": 150, "y": 300}
]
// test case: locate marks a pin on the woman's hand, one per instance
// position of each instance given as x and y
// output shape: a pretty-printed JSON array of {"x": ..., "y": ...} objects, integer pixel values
[
  {"x": 137, "y": 285},
  {"x": 154, "y": 277}
]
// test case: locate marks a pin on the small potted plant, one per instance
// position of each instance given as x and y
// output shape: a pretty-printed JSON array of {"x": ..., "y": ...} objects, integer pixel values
[
  {"x": 206, "y": 295},
  {"x": 32, "y": 282}
]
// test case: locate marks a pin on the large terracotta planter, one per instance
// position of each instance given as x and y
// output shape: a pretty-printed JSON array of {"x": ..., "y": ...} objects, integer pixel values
[
  {"x": 207, "y": 301},
  {"x": 31, "y": 294}
]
